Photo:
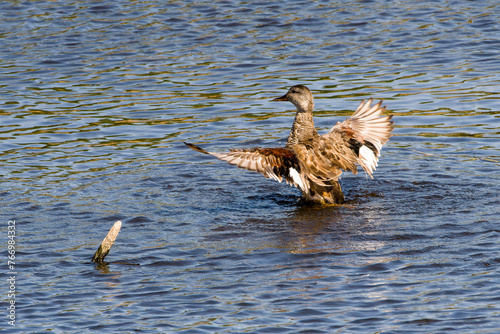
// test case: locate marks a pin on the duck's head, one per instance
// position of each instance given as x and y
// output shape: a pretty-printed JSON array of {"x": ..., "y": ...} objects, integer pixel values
[{"x": 300, "y": 96}]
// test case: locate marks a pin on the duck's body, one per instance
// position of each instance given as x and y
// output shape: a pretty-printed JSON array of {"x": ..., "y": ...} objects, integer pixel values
[{"x": 312, "y": 162}]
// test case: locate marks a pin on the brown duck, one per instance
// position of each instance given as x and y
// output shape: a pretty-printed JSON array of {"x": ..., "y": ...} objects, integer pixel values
[{"x": 312, "y": 162}]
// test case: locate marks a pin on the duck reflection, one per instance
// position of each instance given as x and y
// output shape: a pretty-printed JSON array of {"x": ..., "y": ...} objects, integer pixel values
[
  {"x": 339, "y": 229},
  {"x": 307, "y": 229}
]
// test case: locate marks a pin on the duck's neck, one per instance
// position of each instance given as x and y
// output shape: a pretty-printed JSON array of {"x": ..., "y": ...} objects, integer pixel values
[{"x": 302, "y": 129}]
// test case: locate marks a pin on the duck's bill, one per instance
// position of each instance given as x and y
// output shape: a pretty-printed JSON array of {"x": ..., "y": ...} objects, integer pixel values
[{"x": 281, "y": 98}]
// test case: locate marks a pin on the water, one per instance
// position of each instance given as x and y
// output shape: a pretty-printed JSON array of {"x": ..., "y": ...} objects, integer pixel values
[{"x": 96, "y": 102}]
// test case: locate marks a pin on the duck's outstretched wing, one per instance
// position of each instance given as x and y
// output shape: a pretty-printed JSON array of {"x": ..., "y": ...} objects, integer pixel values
[
  {"x": 363, "y": 133},
  {"x": 273, "y": 163}
]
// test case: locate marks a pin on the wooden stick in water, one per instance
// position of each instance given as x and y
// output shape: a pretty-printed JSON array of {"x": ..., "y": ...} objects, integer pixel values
[{"x": 107, "y": 243}]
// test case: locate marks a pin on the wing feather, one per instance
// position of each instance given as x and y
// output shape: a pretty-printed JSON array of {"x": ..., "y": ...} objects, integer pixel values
[
  {"x": 365, "y": 132},
  {"x": 273, "y": 163}
]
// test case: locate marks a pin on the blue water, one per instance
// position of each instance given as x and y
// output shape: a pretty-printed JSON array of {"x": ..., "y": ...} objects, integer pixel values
[{"x": 96, "y": 100}]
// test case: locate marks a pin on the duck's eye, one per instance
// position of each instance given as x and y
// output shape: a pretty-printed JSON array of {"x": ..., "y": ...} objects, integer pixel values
[{"x": 295, "y": 91}]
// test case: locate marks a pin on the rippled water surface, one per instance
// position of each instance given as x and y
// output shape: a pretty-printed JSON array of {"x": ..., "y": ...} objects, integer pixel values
[{"x": 97, "y": 98}]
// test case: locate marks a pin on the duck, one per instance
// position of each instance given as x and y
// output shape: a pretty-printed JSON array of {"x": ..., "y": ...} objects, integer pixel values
[{"x": 312, "y": 162}]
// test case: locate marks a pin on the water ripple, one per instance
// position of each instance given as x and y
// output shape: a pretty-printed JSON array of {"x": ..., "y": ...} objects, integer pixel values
[{"x": 98, "y": 98}]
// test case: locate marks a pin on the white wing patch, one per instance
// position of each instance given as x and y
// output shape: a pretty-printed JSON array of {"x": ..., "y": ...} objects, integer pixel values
[
  {"x": 367, "y": 159},
  {"x": 299, "y": 180}
]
